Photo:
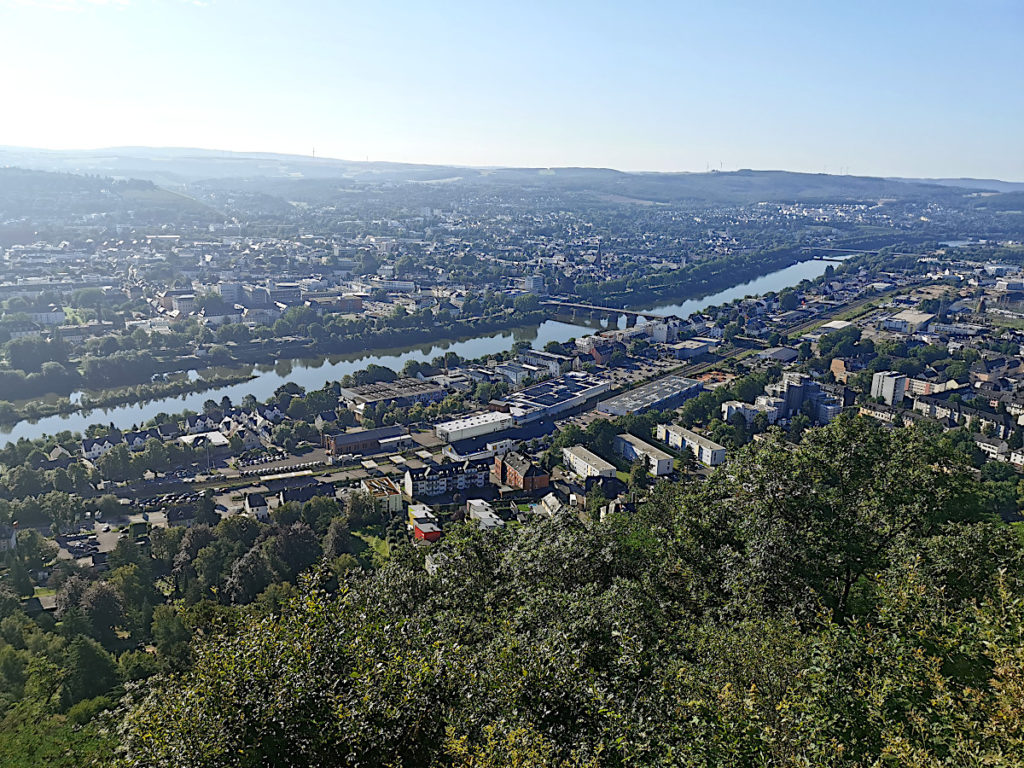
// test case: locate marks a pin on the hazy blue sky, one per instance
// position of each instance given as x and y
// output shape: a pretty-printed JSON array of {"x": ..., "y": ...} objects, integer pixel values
[{"x": 896, "y": 88}]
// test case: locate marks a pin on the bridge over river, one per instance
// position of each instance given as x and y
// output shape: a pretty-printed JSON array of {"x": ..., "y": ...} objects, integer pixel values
[{"x": 594, "y": 311}]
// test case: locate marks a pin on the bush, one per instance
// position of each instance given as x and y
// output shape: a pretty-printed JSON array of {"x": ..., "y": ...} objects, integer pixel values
[{"x": 84, "y": 711}]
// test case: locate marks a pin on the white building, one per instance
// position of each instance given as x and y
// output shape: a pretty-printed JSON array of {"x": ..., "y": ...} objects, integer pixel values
[
  {"x": 890, "y": 386},
  {"x": 256, "y": 506},
  {"x": 707, "y": 451},
  {"x": 907, "y": 321},
  {"x": 473, "y": 426},
  {"x": 534, "y": 283},
  {"x": 770, "y": 406},
  {"x": 631, "y": 448},
  {"x": 586, "y": 464},
  {"x": 484, "y": 515},
  {"x": 731, "y": 407},
  {"x": 664, "y": 331},
  {"x": 387, "y": 496}
]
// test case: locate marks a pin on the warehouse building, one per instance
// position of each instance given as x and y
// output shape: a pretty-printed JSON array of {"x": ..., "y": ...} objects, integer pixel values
[
  {"x": 365, "y": 440},
  {"x": 473, "y": 426},
  {"x": 663, "y": 394},
  {"x": 555, "y": 396},
  {"x": 400, "y": 392}
]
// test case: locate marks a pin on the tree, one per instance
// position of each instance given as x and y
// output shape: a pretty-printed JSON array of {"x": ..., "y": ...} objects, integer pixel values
[
  {"x": 250, "y": 575},
  {"x": 69, "y": 595},
  {"x": 361, "y": 510},
  {"x": 206, "y": 510},
  {"x": 338, "y": 540},
  {"x": 21, "y": 582},
  {"x": 845, "y": 591},
  {"x": 170, "y": 635},
  {"x": 639, "y": 474},
  {"x": 102, "y": 608},
  {"x": 90, "y": 671},
  {"x": 293, "y": 550}
]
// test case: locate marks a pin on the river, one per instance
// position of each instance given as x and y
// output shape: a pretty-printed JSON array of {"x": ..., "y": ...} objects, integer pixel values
[{"x": 313, "y": 374}]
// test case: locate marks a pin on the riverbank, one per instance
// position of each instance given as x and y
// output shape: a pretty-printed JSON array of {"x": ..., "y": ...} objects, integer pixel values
[
  {"x": 314, "y": 373},
  {"x": 251, "y": 354}
]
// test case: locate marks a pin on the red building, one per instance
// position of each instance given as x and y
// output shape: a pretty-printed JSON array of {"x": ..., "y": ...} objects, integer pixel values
[
  {"x": 426, "y": 530},
  {"x": 516, "y": 471}
]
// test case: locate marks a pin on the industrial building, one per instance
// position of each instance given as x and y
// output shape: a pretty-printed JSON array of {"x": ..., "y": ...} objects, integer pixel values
[
  {"x": 555, "y": 396},
  {"x": 400, "y": 392},
  {"x": 364, "y": 440},
  {"x": 663, "y": 394},
  {"x": 631, "y": 448},
  {"x": 473, "y": 426},
  {"x": 907, "y": 321},
  {"x": 707, "y": 451},
  {"x": 585, "y": 463},
  {"x": 553, "y": 363},
  {"x": 497, "y": 443},
  {"x": 684, "y": 350}
]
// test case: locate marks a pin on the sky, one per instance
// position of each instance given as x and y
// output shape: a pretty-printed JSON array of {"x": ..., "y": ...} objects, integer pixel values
[{"x": 900, "y": 88}]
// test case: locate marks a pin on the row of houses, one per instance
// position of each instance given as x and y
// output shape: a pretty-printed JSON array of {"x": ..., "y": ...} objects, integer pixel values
[{"x": 251, "y": 427}]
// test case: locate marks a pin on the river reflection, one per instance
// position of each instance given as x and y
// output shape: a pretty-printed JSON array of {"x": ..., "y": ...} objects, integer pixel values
[{"x": 316, "y": 372}]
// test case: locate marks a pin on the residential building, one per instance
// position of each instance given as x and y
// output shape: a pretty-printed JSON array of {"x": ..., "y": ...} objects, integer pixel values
[
  {"x": 483, "y": 514},
  {"x": 93, "y": 448},
  {"x": 585, "y": 463},
  {"x": 707, "y": 451},
  {"x": 201, "y": 422},
  {"x": 256, "y": 505},
  {"x": 300, "y": 494},
  {"x": 516, "y": 471},
  {"x": 890, "y": 386},
  {"x": 534, "y": 284},
  {"x": 797, "y": 389},
  {"x": 440, "y": 479},
  {"x": 426, "y": 530},
  {"x": 387, "y": 496},
  {"x": 631, "y": 448}
]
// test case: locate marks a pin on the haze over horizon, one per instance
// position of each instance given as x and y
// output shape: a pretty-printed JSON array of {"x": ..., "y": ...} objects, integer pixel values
[
  {"x": 214, "y": 151},
  {"x": 923, "y": 90}
]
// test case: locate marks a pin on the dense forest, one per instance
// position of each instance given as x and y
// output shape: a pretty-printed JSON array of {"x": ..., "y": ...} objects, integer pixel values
[{"x": 851, "y": 600}]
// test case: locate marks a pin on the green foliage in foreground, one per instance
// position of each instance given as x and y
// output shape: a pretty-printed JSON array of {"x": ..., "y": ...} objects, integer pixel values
[
  {"x": 31, "y": 736},
  {"x": 841, "y": 603}
]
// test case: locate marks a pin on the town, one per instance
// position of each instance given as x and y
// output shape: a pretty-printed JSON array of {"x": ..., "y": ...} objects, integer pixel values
[
  {"x": 583, "y": 426},
  {"x": 474, "y": 385}
]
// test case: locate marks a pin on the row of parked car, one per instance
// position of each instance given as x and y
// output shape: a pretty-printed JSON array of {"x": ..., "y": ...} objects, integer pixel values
[
  {"x": 169, "y": 499},
  {"x": 290, "y": 468},
  {"x": 262, "y": 459}
]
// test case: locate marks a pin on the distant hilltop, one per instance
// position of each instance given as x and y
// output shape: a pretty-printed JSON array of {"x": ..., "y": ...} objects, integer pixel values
[{"x": 179, "y": 167}]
